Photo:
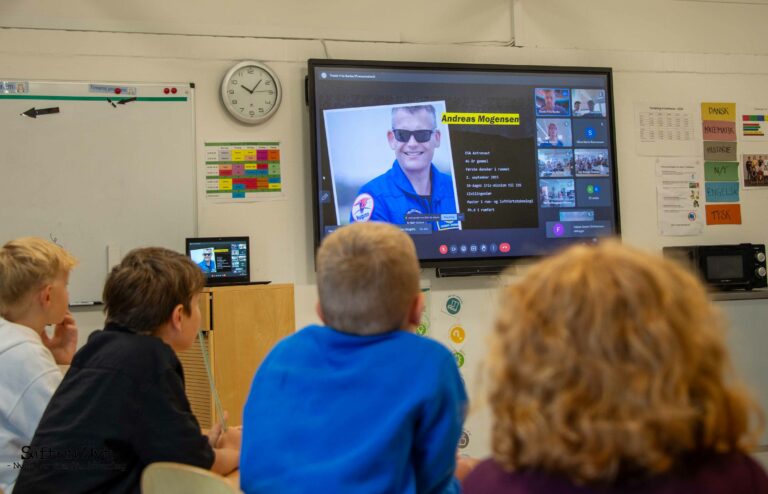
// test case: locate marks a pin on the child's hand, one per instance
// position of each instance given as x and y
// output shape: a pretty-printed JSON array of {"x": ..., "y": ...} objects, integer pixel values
[
  {"x": 214, "y": 434},
  {"x": 231, "y": 439},
  {"x": 63, "y": 343}
]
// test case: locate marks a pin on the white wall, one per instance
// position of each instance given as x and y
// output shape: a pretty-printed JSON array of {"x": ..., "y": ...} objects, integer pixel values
[
  {"x": 685, "y": 26},
  {"x": 659, "y": 49},
  {"x": 393, "y": 21}
]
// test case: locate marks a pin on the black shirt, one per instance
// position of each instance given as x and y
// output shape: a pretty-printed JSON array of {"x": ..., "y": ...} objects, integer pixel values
[{"x": 120, "y": 407}]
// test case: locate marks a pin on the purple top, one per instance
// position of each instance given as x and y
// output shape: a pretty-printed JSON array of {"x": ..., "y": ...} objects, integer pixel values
[{"x": 713, "y": 474}]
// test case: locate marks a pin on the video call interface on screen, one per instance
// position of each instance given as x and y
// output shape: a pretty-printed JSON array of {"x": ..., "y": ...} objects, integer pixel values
[
  {"x": 220, "y": 260},
  {"x": 472, "y": 164}
]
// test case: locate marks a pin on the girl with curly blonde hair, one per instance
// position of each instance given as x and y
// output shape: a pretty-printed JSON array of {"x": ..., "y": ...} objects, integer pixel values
[{"x": 609, "y": 373}]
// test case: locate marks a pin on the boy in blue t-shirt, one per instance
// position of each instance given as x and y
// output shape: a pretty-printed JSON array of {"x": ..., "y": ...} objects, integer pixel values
[{"x": 361, "y": 404}]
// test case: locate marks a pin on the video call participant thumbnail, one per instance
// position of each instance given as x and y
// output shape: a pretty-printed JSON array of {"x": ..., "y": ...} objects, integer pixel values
[
  {"x": 592, "y": 162},
  {"x": 414, "y": 185},
  {"x": 589, "y": 103},
  {"x": 557, "y": 193},
  {"x": 555, "y": 132},
  {"x": 552, "y": 102},
  {"x": 555, "y": 162},
  {"x": 590, "y": 132}
]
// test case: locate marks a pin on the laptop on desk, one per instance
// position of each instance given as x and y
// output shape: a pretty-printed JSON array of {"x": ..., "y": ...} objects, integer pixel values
[{"x": 225, "y": 261}]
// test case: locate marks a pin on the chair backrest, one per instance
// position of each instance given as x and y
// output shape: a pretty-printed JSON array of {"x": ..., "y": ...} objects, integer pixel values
[{"x": 177, "y": 478}]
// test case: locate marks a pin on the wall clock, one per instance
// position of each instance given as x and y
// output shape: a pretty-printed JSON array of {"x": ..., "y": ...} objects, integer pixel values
[{"x": 251, "y": 92}]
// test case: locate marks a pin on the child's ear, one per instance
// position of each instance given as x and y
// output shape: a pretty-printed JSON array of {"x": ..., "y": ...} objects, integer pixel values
[
  {"x": 177, "y": 316},
  {"x": 44, "y": 295},
  {"x": 417, "y": 307},
  {"x": 319, "y": 311}
]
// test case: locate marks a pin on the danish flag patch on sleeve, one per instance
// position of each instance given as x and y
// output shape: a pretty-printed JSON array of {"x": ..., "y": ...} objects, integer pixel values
[{"x": 362, "y": 208}]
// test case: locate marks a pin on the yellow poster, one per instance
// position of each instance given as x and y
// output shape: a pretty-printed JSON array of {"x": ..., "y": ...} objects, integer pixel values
[{"x": 718, "y": 111}]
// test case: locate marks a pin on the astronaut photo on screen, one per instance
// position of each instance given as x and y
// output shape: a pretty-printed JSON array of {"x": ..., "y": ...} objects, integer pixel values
[
  {"x": 413, "y": 189},
  {"x": 205, "y": 259}
]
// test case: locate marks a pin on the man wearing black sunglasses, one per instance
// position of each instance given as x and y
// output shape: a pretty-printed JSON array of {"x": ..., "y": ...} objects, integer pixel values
[
  {"x": 413, "y": 187},
  {"x": 208, "y": 264}
]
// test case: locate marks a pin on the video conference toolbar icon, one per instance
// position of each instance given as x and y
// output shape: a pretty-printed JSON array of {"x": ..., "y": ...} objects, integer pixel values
[
  {"x": 504, "y": 247},
  {"x": 472, "y": 248}
]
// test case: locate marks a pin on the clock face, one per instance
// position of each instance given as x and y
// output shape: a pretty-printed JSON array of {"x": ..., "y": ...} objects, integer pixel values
[{"x": 251, "y": 92}]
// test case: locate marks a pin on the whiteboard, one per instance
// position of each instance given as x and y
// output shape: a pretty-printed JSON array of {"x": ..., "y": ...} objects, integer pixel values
[{"x": 106, "y": 173}]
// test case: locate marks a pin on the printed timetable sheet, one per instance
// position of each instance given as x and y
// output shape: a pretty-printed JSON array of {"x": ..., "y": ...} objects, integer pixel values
[
  {"x": 664, "y": 130},
  {"x": 242, "y": 171}
]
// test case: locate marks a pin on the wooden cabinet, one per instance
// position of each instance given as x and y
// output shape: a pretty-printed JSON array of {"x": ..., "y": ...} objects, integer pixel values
[{"x": 241, "y": 324}]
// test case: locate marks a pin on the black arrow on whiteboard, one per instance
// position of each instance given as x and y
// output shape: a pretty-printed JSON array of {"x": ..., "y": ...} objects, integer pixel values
[
  {"x": 43, "y": 111},
  {"x": 126, "y": 100}
]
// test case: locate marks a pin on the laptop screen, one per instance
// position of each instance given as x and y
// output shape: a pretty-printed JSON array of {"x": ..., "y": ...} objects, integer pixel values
[{"x": 223, "y": 260}]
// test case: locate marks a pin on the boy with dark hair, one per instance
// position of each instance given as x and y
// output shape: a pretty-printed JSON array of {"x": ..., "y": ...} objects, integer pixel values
[
  {"x": 122, "y": 405},
  {"x": 360, "y": 405}
]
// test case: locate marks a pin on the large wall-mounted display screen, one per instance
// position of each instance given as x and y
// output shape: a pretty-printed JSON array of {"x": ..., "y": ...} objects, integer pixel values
[{"x": 479, "y": 164}]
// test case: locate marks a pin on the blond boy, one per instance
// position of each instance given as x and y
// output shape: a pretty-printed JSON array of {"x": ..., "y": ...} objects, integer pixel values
[
  {"x": 34, "y": 274},
  {"x": 361, "y": 404}
]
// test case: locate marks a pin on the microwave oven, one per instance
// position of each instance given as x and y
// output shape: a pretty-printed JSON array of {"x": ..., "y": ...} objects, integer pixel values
[{"x": 727, "y": 267}]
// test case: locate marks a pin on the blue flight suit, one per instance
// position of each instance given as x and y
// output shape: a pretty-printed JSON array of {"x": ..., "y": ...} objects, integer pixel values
[
  {"x": 394, "y": 197},
  {"x": 207, "y": 268}
]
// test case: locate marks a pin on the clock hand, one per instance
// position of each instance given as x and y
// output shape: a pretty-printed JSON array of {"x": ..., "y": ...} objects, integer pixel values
[
  {"x": 257, "y": 84},
  {"x": 249, "y": 90}
]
